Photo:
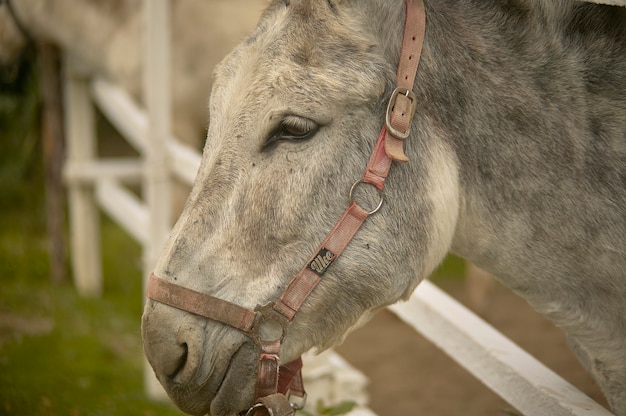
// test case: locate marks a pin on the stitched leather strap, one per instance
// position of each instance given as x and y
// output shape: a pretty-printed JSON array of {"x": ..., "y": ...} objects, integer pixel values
[
  {"x": 310, "y": 275},
  {"x": 268, "y": 371},
  {"x": 402, "y": 107},
  {"x": 200, "y": 304},
  {"x": 290, "y": 379}
]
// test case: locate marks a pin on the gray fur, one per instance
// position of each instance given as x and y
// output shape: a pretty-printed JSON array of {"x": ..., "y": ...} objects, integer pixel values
[{"x": 518, "y": 163}]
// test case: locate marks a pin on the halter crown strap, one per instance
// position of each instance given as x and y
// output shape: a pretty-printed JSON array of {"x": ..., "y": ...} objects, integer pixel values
[
  {"x": 277, "y": 316},
  {"x": 401, "y": 107}
]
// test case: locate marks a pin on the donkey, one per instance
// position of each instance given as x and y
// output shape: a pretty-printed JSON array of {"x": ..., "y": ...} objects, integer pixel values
[{"x": 516, "y": 161}]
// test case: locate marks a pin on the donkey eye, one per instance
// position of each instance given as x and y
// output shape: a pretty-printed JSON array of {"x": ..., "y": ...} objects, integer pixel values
[{"x": 294, "y": 128}]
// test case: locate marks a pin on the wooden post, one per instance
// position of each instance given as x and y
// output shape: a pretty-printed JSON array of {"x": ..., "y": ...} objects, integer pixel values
[
  {"x": 156, "y": 93},
  {"x": 52, "y": 134},
  {"x": 84, "y": 215}
]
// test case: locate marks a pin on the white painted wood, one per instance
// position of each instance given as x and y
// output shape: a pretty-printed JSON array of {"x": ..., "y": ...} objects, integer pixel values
[
  {"x": 84, "y": 215},
  {"x": 132, "y": 123},
  {"x": 156, "y": 93},
  {"x": 122, "y": 111},
  {"x": 330, "y": 378},
  {"x": 156, "y": 76},
  {"x": 505, "y": 368},
  {"x": 125, "y": 208},
  {"x": 361, "y": 411},
  {"x": 125, "y": 170}
]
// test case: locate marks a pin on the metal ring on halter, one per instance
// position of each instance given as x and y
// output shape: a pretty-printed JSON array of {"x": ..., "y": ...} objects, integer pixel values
[
  {"x": 381, "y": 195},
  {"x": 251, "y": 410}
]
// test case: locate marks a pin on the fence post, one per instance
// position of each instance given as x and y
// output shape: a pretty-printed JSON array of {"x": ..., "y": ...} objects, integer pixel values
[
  {"x": 156, "y": 93},
  {"x": 81, "y": 150},
  {"x": 49, "y": 58}
]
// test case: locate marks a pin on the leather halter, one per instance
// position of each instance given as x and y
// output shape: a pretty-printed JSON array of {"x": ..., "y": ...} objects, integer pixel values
[{"x": 268, "y": 324}]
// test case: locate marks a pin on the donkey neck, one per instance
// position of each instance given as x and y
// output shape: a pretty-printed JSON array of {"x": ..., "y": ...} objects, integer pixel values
[{"x": 510, "y": 87}]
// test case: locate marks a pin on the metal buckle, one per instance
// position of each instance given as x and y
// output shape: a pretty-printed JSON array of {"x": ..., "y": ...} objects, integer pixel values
[
  {"x": 392, "y": 102},
  {"x": 271, "y": 322}
]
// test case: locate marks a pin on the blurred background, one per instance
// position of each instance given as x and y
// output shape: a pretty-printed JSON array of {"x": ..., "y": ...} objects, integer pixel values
[{"x": 60, "y": 354}]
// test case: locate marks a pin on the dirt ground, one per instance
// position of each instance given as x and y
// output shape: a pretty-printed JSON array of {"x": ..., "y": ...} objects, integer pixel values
[{"x": 408, "y": 375}]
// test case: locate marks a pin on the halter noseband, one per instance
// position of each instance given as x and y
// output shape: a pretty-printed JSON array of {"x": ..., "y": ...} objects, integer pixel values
[{"x": 267, "y": 325}]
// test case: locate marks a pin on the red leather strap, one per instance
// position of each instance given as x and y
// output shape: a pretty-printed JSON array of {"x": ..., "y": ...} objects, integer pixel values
[
  {"x": 402, "y": 107},
  {"x": 310, "y": 275},
  {"x": 268, "y": 370},
  {"x": 272, "y": 378},
  {"x": 200, "y": 303},
  {"x": 290, "y": 379},
  {"x": 379, "y": 163}
]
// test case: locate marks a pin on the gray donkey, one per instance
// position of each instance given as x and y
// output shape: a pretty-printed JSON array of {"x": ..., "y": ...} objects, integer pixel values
[{"x": 517, "y": 162}]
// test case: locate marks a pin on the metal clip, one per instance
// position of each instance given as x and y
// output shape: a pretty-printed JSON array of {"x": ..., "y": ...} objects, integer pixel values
[{"x": 299, "y": 404}]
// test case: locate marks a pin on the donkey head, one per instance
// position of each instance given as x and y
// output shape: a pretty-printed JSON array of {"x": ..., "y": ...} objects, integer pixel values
[{"x": 295, "y": 111}]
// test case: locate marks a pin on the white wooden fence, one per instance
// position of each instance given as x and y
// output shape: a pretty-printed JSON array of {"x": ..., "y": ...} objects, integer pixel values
[{"x": 96, "y": 183}]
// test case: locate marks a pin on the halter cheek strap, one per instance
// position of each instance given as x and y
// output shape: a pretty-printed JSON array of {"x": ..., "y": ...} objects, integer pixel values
[{"x": 267, "y": 325}]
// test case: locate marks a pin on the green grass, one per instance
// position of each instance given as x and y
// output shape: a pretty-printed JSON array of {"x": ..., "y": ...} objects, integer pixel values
[{"x": 61, "y": 354}]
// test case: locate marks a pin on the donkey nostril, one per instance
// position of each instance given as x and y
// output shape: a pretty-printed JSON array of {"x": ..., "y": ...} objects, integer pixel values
[
  {"x": 174, "y": 351},
  {"x": 179, "y": 363}
]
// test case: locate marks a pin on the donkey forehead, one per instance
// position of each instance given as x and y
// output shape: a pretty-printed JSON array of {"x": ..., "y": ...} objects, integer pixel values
[{"x": 304, "y": 49}]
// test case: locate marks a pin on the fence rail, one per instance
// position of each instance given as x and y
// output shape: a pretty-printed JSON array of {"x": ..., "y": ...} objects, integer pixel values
[
  {"x": 499, "y": 363},
  {"x": 100, "y": 184}
]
